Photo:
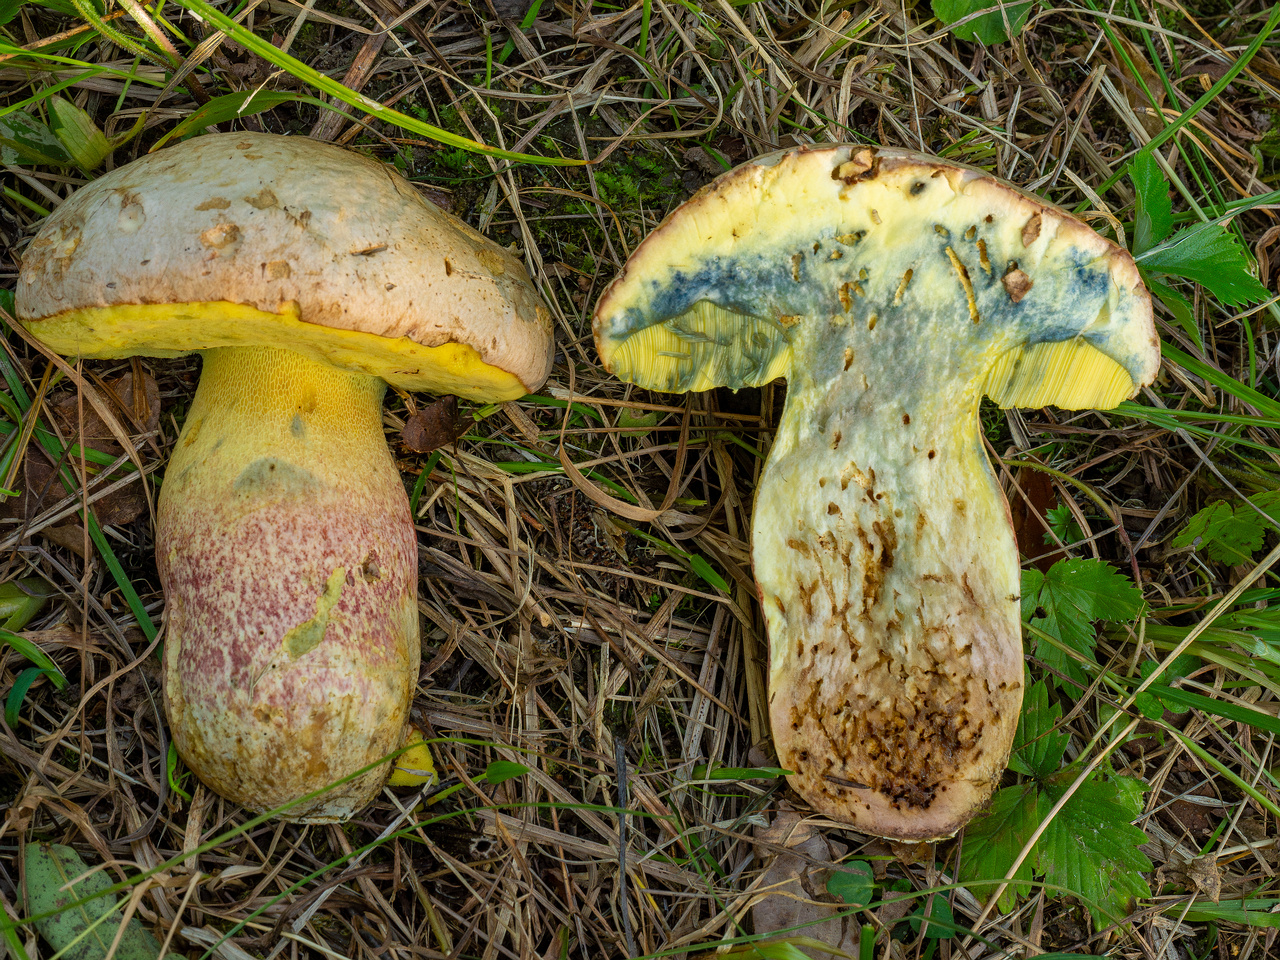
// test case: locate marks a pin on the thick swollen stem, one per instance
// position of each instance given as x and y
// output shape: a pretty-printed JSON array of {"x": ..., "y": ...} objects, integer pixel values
[
  {"x": 289, "y": 564},
  {"x": 889, "y": 579}
]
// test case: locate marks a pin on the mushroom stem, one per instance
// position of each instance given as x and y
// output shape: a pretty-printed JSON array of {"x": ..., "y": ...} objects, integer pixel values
[
  {"x": 288, "y": 557},
  {"x": 889, "y": 578}
]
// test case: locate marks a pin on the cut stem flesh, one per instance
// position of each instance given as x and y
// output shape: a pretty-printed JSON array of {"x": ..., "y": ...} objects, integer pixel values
[{"x": 888, "y": 576}]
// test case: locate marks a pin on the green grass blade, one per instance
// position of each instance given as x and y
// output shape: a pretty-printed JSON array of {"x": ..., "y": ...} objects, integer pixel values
[{"x": 333, "y": 88}]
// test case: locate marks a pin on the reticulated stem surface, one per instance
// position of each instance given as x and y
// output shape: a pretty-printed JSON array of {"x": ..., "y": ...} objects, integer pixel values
[{"x": 288, "y": 559}]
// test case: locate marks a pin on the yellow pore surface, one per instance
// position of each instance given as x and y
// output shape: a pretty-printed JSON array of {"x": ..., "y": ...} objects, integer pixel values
[
  {"x": 171, "y": 330},
  {"x": 1072, "y": 374}
]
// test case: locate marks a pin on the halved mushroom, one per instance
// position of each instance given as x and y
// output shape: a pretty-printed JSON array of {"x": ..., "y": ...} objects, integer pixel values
[
  {"x": 310, "y": 277},
  {"x": 892, "y": 290}
]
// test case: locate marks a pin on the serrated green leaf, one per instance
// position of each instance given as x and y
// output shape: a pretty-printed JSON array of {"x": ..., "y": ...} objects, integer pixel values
[
  {"x": 1063, "y": 524},
  {"x": 1209, "y": 254},
  {"x": 1154, "y": 220},
  {"x": 500, "y": 771},
  {"x": 24, "y": 139},
  {"x": 993, "y": 840},
  {"x": 1037, "y": 746},
  {"x": 85, "y": 144},
  {"x": 854, "y": 883},
  {"x": 1229, "y": 533},
  {"x": 85, "y": 932},
  {"x": 1091, "y": 847},
  {"x": 1067, "y": 600},
  {"x": 1004, "y": 20}
]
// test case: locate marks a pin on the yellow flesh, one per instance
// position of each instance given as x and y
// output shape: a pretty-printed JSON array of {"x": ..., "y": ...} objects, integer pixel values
[{"x": 170, "y": 330}]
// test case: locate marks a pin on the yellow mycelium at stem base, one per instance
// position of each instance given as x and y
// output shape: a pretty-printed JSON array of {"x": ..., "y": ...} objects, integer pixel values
[
  {"x": 289, "y": 563},
  {"x": 170, "y": 330}
]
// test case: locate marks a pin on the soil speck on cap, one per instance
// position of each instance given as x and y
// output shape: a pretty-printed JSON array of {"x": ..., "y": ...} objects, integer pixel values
[
  {"x": 214, "y": 203},
  {"x": 863, "y": 165},
  {"x": 221, "y": 236},
  {"x": 262, "y": 200},
  {"x": 1031, "y": 231},
  {"x": 1016, "y": 283}
]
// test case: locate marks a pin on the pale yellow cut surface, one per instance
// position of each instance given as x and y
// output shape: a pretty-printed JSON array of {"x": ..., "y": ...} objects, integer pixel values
[{"x": 893, "y": 291}]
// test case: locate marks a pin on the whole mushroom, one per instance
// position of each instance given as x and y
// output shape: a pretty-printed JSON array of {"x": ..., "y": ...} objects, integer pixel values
[
  {"x": 309, "y": 277},
  {"x": 892, "y": 290}
]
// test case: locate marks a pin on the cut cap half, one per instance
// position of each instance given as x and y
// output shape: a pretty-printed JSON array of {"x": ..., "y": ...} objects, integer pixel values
[
  {"x": 893, "y": 291},
  {"x": 712, "y": 297}
]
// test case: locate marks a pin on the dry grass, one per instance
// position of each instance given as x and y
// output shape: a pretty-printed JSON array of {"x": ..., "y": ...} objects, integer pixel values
[{"x": 555, "y": 635}]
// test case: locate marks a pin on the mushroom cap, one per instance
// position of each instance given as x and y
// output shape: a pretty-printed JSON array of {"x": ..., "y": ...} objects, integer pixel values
[
  {"x": 708, "y": 299},
  {"x": 244, "y": 239}
]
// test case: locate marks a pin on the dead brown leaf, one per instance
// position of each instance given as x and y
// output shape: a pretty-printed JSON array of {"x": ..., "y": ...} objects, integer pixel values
[{"x": 433, "y": 426}]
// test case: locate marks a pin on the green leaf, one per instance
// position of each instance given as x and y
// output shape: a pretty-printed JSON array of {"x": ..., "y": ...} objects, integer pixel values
[
  {"x": 1209, "y": 254},
  {"x": 1178, "y": 305},
  {"x": 1149, "y": 705},
  {"x": 1266, "y": 404},
  {"x": 1178, "y": 700},
  {"x": 500, "y": 771},
  {"x": 990, "y": 28},
  {"x": 1063, "y": 524},
  {"x": 1250, "y": 913},
  {"x": 854, "y": 883},
  {"x": 85, "y": 932},
  {"x": 85, "y": 144},
  {"x": 1091, "y": 847},
  {"x": 20, "y": 600},
  {"x": 1066, "y": 601},
  {"x": 938, "y": 910},
  {"x": 9, "y": 8},
  {"x": 1037, "y": 746},
  {"x": 702, "y": 772},
  {"x": 232, "y": 106},
  {"x": 704, "y": 570},
  {"x": 993, "y": 840},
  {"x": 171, "y": 770},
  {"x": 18, "y": 692},
  {"x": 633, "y": 419},
  {"x": 26, "y": 648},
  {"x": 1154, "y": 219},
  {"x": 24, "y": 139},
  {"x": 1229, "y": 533}
]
